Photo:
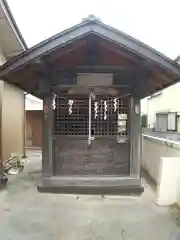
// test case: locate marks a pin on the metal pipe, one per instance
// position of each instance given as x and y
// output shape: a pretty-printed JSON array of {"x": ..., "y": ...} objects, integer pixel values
[{"x": 89, "y": 136}]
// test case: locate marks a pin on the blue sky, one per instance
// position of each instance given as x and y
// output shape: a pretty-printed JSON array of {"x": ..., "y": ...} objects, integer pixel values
[{"x": 154, "y": 22}]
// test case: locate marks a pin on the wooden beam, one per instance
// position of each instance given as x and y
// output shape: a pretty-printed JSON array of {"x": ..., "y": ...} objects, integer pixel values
[
  {"x": 92, "y": 54},
  {"x": 156, "y": 81},
  {"x": 135, "y": 137},
  {"x": 62, "y": 51},
  {"x": 47, "y": 151},
  {"x": 115, "y": 48},
  {"x": 163, "y": 78},
  {"x": 94, "y": 68}
]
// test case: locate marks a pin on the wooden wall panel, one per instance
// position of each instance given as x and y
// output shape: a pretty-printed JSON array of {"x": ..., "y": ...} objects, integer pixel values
[
  {"x": 34, "y": 128},
  {"x": 104, "y": 157}
]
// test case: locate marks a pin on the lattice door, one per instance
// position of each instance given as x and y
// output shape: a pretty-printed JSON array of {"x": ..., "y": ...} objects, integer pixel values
[
  {"x": 106, "y": 155},
  {"x": 72, "y": 124},
  {"x": 106, "y": 119},
  {"x": 110, "y": 117}
]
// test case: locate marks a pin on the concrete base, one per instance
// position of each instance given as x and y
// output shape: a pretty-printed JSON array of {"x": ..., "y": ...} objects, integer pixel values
[
  {"x": 92, "y": 185},
  {"x": 168, "y": 181}
]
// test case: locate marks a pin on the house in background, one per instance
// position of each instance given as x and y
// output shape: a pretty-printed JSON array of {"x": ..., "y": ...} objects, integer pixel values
[
  {"x": 12, "y": 102},
  {"x": 34, "y": 117},
  {"x": 163, "y": 109}
]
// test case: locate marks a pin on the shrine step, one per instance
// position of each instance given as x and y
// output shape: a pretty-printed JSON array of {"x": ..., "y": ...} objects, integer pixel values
[{"x": 92, "y": 185}]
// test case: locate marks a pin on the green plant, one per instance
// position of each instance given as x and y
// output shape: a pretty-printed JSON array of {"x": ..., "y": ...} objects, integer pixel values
[{"x": 14, "y": 165}]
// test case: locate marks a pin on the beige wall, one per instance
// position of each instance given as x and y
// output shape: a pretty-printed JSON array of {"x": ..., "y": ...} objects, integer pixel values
[
  {"x": 12, "y": 121},
  {"x": 12, "y": 117},
  {"x": 2, "y": 58},
  {"x": 12, "y": 107}
]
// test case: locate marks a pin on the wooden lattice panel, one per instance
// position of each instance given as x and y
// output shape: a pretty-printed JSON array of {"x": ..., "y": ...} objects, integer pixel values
[
  {"x": 77, "y": 122},
  {"x": 74, "y": 124}
]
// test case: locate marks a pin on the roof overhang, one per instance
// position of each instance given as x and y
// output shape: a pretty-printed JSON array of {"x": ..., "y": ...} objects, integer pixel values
[
  {"x": 93, "y": 46},
  {"x": 11, "y": 40}
]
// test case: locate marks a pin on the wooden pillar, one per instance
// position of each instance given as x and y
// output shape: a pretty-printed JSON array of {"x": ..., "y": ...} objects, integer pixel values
[
  {"x": 135, "y": 137},
  {"x": 47, "y": 151}
]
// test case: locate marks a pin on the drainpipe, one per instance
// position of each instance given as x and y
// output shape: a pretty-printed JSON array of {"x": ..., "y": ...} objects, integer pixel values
[
  {"x": 24, "y": 126},
  {"x": 3, "y": 177},
  {"x": 1, "y": 141}
]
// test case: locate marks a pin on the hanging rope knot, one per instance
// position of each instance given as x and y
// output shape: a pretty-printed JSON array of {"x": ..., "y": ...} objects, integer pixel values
[
  {"x": 105, "y": 110},
  {"x": 70, "y": 103},
  {"x": 54, "y": 102},
  {"x": 115, "y": 104},
  {"x": 95, "y": 110}
]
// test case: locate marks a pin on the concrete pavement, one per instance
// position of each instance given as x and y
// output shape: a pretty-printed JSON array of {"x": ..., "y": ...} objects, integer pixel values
[{"x": 26, "y": 214}]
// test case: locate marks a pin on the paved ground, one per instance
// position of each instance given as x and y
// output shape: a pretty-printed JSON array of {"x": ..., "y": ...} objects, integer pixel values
[{"x": 26, "y": 214}]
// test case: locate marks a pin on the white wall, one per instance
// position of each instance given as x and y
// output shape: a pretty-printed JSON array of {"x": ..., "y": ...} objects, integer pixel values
[
  {"x": 169, "y": 176},
  {"x": 167, "y": 101},
  {"x": 144, "y": 106},
  {"x": 161, "y": 160},
  {"x": 154, "y": 149},
  {"x": 33, "y": 103}
]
